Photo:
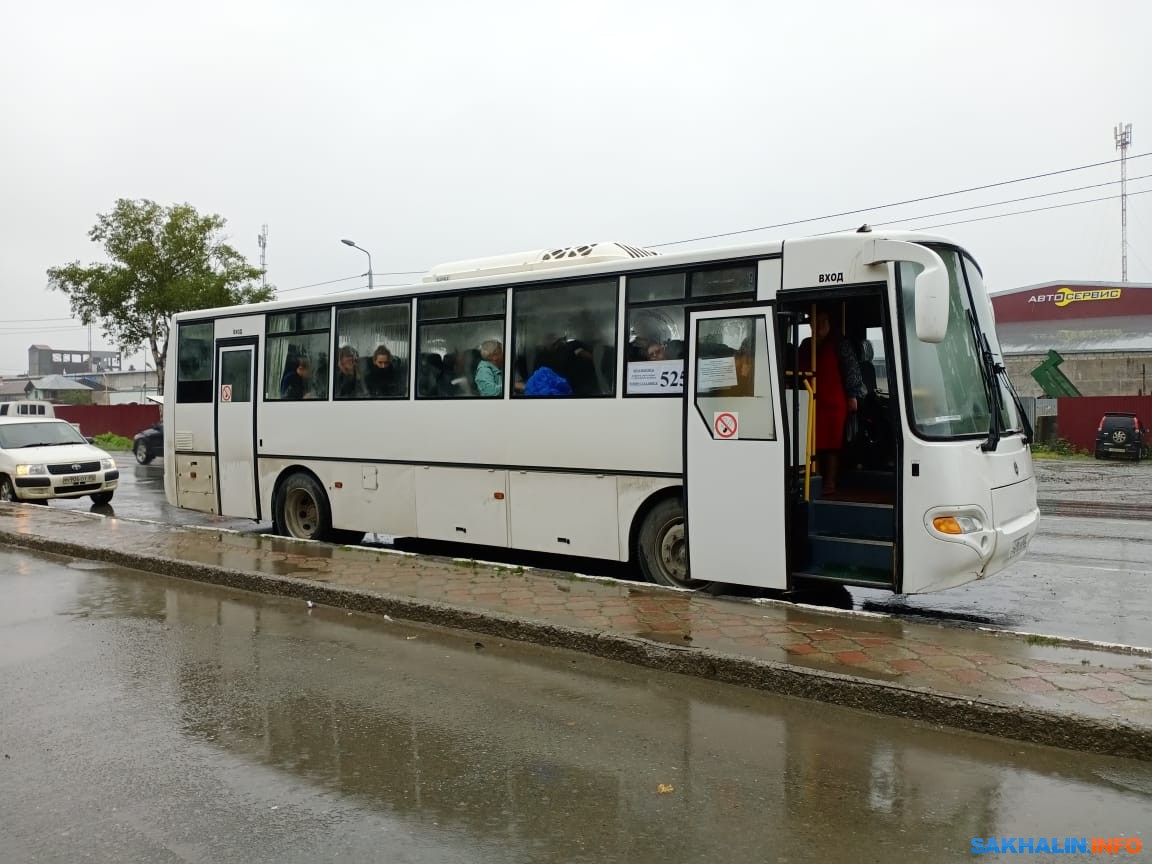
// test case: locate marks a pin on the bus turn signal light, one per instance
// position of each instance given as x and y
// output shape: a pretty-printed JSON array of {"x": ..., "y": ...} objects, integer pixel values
[
  {"x": 947, "y": 525},
  {"x": 956, "y": 524}
]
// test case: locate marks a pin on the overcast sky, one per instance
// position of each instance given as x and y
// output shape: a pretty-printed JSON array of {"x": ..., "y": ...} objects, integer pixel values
[{"x": 433, "y": 131}]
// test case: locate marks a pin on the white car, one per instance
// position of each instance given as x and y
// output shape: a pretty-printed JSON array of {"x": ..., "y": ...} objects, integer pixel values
[{"x": 42, "y": 458}]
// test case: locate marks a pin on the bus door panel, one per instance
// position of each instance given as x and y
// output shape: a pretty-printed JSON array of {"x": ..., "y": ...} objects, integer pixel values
[
  {"x": 734, "y": 455},
  {"x": 236, "y": 429}
]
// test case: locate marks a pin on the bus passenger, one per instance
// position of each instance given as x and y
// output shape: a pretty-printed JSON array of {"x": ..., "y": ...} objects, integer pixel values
[
  {"x": 384, "y": 377},
  {"x": 348, "y": 383},
  {"x": 297, "y": 382},
  {"x": 571, "y": 360},
  {"x": 545, "y": 382},
  {"x": 490, "y": 371},
  {"x": 837, "y": 384}
]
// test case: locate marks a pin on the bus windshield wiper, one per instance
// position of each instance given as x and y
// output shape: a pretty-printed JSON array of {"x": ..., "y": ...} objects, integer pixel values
[
  {"x": 988, "y": 376},
  {"x": 1002, "y": 372}
]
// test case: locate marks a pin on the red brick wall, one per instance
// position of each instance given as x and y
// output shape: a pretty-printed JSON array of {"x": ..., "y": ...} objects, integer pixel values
[
  {"x": 1078, "y": 417},
  {"x": 124, "y": 420}
]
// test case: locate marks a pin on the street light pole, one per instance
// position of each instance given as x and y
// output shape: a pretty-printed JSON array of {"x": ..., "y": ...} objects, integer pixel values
[{"x": 366, "y": 252}]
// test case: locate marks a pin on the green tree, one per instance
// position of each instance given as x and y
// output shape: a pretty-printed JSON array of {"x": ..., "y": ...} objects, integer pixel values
[{"x": 163, "y": 260}]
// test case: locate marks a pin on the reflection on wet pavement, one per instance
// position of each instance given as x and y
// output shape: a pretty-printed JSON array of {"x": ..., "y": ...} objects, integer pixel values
[{"x": 175, "y": 720}]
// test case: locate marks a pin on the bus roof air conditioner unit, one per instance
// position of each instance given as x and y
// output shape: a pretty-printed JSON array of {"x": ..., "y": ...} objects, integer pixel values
[{"x": 543, "y": 259}]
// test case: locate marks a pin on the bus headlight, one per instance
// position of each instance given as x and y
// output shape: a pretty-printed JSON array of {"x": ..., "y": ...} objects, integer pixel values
[
  {"x": 27, "y": 470},
  {"x": 968, "y": 525},
  {"x": 108, "y": 464}
]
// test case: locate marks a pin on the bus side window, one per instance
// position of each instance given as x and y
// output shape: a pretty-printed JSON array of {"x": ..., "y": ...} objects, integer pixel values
[
  {"x": 565, "y": 339},
  {"x": 372, "y": 352},
  {"x": 296, "y": 359},
  {"x": 655, "y": 351},
  {"x": 451, "y": 332},
  {"x": 194, "y": 373}
]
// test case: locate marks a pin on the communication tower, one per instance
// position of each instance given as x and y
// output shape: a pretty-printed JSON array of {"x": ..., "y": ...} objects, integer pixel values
[
  {"x": 1123, "y": 134},
  {"x": 262, "y": 240}
]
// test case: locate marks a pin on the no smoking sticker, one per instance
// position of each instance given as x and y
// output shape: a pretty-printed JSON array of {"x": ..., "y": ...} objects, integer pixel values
[
  {"x": 726, "y": 424},
  {"x": 225, "y": 392}
]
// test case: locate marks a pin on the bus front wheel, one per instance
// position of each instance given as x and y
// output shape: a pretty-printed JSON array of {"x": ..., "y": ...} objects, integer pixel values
[
  {"x": 301, "y": 510},
  {"x": 661, "y": 549}
]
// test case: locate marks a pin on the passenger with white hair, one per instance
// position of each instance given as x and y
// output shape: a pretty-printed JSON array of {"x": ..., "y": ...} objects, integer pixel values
[{"x": 490, "y": 371}]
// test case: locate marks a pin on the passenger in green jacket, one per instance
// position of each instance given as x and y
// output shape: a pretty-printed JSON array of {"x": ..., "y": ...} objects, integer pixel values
[{"x": 490, "y": 371}]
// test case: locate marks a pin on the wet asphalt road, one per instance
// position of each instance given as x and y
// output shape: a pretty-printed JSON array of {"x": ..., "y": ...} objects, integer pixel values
[
  {"x": 147, "y": 719},
  {"x": 1084, "y": 577}
]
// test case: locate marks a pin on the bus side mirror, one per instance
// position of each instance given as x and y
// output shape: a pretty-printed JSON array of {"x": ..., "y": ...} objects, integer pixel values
[{"x": 931, "y": 291}]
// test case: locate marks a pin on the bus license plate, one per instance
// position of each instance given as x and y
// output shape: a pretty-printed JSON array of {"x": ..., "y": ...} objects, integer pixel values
[
  {"x": 79, "y": 480},
  {"x": 1018, "y": 547}
]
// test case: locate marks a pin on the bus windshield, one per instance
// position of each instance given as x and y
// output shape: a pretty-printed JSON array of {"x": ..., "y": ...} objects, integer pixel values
[{"x": 953, "y": 388}]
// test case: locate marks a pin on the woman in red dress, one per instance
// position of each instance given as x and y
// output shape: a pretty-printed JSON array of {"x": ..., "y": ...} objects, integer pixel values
[{"x": 833, "y": 403}]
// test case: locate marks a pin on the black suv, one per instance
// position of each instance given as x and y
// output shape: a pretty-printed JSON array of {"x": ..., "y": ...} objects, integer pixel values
[{"x": 1120, "y": 435}]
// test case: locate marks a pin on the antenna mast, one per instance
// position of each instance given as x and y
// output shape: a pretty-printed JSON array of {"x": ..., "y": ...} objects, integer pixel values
[
  {"x": 1123, "y": 134},
  {"x": 262, "y": 240}
]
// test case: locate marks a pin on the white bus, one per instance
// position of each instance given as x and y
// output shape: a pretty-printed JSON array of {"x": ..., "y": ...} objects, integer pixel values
[{"x": 610, "y": 402}]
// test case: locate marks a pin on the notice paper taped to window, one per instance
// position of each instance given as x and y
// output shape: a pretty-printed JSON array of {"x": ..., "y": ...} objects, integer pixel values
[{"x": 715, "y": 373}]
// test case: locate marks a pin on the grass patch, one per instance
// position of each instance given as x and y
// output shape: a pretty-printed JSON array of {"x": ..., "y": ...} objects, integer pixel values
[
  {"x": 112, "y": 441},
  {"x": 1058, "y": 449},
  {"x": 1042, "y": 640}
]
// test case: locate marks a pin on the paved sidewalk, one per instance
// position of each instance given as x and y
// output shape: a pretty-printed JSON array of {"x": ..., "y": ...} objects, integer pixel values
[{"x": 1032, "y": 689}]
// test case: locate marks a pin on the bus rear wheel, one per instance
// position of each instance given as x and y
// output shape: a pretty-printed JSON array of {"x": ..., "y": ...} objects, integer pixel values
[
  {"x": 301, "y": 510},
  {"x": 661, "y": 549}
]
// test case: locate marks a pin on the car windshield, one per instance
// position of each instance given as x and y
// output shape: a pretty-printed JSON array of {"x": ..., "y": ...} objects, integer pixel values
[{"x": 47, "y": 434}]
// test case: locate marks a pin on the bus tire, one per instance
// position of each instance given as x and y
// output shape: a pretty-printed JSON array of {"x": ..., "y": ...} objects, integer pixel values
[
  {"x": 301, "y": 508},
  {"x": 660, "y": 547}
]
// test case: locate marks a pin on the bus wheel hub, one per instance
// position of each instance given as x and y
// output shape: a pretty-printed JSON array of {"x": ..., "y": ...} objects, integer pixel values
[{"x": 672, "y": 552}]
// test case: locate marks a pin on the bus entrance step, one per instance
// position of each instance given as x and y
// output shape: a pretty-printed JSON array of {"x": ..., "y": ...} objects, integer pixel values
[
  {"x": 868, "y": 577},
  {"x": 852, "y": 519},
  {"x": 826, "y": 550}
]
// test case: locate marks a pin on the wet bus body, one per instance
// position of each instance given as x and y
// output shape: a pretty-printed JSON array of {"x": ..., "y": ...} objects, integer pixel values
[{"x": 608, "y": 402}]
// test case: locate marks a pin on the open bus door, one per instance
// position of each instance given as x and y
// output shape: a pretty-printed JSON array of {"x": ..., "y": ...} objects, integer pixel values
[{"x": 734, "y": 449}]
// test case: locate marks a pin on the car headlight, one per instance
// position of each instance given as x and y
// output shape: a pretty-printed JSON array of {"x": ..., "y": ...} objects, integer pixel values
[
  {"x": 26, "y": 470},
  {"x": 108, "y": 464}
]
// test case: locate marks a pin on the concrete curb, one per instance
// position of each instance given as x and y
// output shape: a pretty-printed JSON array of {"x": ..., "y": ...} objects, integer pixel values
[{"x": 1050, "y": 728}]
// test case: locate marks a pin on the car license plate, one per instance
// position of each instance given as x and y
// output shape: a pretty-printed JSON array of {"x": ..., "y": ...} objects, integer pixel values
[{"x": 79, "y": 480}]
